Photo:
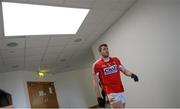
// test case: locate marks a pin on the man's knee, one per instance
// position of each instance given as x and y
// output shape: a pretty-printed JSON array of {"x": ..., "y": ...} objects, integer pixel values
[{"x": 118, "y": 105}]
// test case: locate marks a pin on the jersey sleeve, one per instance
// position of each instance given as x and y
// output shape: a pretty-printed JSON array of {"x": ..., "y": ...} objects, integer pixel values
[
  {"x": 95, "y": 68},
  {"x": 118, "y": 61}
]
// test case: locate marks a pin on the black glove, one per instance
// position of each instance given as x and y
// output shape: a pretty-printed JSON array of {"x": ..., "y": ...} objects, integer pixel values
[
  {"x": 135, "y": 77},
  {"x": 101, "y": 102},
  {"x": 103, "y": 94}
]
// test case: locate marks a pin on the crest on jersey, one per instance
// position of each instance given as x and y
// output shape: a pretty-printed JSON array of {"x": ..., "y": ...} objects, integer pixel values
[{"x": 113, "y": 63}]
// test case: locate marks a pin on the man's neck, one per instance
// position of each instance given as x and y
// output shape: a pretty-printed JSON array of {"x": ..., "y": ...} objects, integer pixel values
[{"x": 106, "y": 59}]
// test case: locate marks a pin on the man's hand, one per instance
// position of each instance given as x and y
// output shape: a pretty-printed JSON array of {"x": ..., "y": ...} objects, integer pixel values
[
  {"x": 101, "y": 102},
  {"x": 133, "y": 76}
]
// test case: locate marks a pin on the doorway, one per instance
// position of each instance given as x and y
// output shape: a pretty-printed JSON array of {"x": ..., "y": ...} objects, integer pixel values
[{"x": 42, "y": 95}]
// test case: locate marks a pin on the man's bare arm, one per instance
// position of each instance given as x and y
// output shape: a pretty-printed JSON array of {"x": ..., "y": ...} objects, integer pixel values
[
  {"x": 128, "y": 73},
  {"x": 125, "y": 71},
  {"x": 96, "y": 84},
  {"x": 100, "y": 100}
]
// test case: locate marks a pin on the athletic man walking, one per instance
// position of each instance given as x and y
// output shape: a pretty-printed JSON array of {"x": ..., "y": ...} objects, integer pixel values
[{"x": 107, "y": 71}]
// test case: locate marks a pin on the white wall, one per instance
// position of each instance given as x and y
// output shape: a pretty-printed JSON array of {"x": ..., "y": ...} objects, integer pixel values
[
  {"x": 179, "y": 55},
  {"x": 146, "y": 39},
  {"x": 76, "y": 87},
  {"x": 73, "y": 88},
  {"x": 15, "y": 83}
]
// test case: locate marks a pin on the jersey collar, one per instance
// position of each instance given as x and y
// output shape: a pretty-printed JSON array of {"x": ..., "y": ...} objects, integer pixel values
[{"x": 106, "y": 60}]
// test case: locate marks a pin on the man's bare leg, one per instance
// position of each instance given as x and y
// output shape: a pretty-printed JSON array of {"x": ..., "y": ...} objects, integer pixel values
[{"x": 118, "y": 105}]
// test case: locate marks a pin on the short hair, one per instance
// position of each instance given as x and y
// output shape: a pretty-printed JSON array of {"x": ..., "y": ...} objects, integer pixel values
[{"x": 102, "y": 45}]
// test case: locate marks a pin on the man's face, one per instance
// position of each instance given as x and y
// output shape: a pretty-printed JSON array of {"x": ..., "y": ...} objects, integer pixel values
[{"x": 104, "y": 51}]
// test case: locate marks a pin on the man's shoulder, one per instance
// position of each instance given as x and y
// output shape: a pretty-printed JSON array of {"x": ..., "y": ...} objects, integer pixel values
[
  {"x": 115, "y": 58},
  {"x": 97, "y": 62}
]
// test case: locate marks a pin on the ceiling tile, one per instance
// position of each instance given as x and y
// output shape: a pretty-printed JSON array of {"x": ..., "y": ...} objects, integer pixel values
[
  {"x": 89, "y": 26},
  {"x": 1, "y": 62},
  {"x": 37, "y": 41},
  {"x": 15, "y": 66},
  {"x": 61, "y": 65},
  {"x": 79, "y": 3},
  {"x": 1, "y": 42},
  {"x": 3, "y": 69},
  {"x": 60, "y": 40},
  {"x": 18, "y": 1},
  {"x": 19, "y": 41},
  {"x": 48, "y": 65},
  {"x": 50, "y": 57},
  {"x": 35, "y": 51},
  {"x": 111, "y": 4},
  {"x": 79, "y": 0},
  {"x": 70, "y": 48},
  {"x": 33, "y": 63},
  {"x": 74, "y": 41},
  {"x": 14, "y": 59},
  {"x": 31, "y": 68},
  {"x": 63, "y": 56},
  {"x": 12, "y": 53},
  {"x": 9, "y": 61},
  {"x": 51, "y": 50},
  {"x": 80, "y": 53},
  {"x": 46, "y": 2},
  {"x": 33, "y": 58},
  {"x": 89, "y": 41}
]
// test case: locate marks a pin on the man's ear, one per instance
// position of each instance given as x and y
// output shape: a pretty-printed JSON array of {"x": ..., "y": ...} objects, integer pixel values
[{"x": 99, "y": 52}]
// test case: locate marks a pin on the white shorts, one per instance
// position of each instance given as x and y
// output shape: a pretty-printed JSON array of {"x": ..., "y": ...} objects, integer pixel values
[{"x": 117, "y": 97}]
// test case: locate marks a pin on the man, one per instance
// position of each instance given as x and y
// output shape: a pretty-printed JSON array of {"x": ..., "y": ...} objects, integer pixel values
[{"x": 107, "y": 71}]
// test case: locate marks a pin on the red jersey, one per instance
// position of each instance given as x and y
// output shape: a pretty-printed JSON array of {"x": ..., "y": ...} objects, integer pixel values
[{"x": 109, "y": 74}]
